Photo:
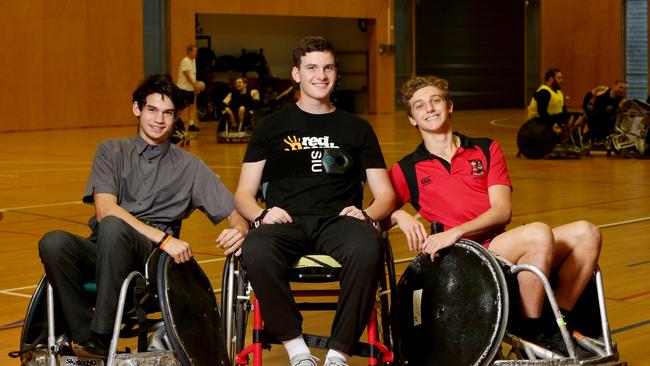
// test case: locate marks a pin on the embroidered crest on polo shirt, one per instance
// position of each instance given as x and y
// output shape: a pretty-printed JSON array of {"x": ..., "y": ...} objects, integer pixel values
[
  {"x": 477, "y": 168},
  {"x": 425, "y": 181}
]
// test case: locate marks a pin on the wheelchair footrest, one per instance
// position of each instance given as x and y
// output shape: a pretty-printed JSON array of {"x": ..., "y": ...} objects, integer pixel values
[{"x": 153, "y": 358}]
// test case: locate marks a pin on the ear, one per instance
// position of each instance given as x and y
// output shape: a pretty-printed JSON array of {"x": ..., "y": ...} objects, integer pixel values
[
  {"x": 450, "y": 106},
  {"x": 295, "y": 74},
  {"x": 136, "y": 109},
  {"x": 412, "y": 121}
]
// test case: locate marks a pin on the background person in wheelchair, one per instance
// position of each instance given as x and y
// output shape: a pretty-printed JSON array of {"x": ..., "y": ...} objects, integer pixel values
[
  {"x": 142, "y": 187},
  {"x": 463, "y": 183},
  {"x": 311, "y": 159},
  {"x": 600, "y": 105},
  {"x": 240, "y": 100}
]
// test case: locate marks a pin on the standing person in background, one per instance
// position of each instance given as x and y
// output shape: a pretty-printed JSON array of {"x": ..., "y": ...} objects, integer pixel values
[{"x": 186, "y": 81}]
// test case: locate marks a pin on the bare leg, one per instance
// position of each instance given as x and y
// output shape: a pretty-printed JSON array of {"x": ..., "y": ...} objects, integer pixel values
[
  {"x": 577, "y": 248},
  {"x": 529, "y": 244},
  {"x": 240, "y": 113}
]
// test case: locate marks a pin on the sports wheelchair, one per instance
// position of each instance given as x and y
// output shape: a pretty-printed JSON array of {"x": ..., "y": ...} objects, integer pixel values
[
  {"x": 238, "y": 300},
  {"x": 457, "y": 311},
  {"x": 630, "y": 136},
  {"x": 174, "y": 314},
  {"x": 559, "y": 138}
]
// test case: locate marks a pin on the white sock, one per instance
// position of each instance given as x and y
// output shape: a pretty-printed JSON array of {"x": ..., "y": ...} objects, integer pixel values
[
  {"x": 296, "y": 346},
  {"x": 191, "y": 122},
  {"x": 335, "y": 353}
]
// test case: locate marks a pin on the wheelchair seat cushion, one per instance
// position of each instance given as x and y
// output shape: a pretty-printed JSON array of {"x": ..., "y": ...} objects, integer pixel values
[{"x": 315, "y": 268}]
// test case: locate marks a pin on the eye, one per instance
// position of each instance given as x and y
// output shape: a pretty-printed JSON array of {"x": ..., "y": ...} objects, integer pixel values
[
  {"x": 151, "y": 109},
  {"x": 418, "y": 106},
  {"x": 168, "y": 113},
  {"x": 310, "y": 67},
  {"x": 329, "y": 68}
]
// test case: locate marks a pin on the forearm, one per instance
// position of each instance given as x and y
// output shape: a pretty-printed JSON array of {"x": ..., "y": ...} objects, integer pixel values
[
  {"x": 381, "y": 207},
  {"x": 493, "y": 218},
  {"x": 247, "y": 206},
  {"x": 236, "y": 221},
  {"x": 151, "y": 233}
]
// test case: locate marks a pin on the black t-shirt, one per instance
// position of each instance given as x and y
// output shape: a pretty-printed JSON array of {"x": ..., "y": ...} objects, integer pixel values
[{"x": 293, "y": 142}]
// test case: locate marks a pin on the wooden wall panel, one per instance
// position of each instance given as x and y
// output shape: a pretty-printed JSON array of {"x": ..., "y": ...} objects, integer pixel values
[
  {"x": 69, "y": 63},
  {"x": 584, "y": 39},
  {"x": 381, "y": 87}
]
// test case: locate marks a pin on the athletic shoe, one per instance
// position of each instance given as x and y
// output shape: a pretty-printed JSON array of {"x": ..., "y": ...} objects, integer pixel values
[
  {"x": 304, "y": 359},
  {"x": 335, "y": 361},
  {"x": 93, "y": 348}
]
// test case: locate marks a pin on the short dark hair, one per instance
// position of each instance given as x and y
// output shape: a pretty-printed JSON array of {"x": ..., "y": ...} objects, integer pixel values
[
  {"x": 551, "y": 73},
  {"x": 190, "y": 47},
  {"x": 311, "y": 44},
  {"x": 418, "y": 82},
  {"x": 160, "y": 84}
]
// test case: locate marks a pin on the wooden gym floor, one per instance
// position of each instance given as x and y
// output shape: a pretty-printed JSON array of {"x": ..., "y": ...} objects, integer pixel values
[{"x": 43, "y": 175}]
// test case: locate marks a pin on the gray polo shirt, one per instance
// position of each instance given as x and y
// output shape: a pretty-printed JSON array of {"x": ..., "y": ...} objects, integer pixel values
[{"x": 157, "y": 183}]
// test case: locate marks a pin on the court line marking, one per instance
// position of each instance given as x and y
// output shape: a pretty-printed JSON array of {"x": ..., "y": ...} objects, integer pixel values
[
  {"x": 495, "y": 122},
  {"x": 40, "y": 206},
  {"x": 630, "y": 327},
  {"x": 396, "y": 261}
]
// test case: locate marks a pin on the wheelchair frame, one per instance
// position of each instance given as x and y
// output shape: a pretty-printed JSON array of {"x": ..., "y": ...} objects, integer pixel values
[
  {"x": 236, "y": 303},
  {"x": 166, "y": 344},
  {"x": 605, "y": 351}
]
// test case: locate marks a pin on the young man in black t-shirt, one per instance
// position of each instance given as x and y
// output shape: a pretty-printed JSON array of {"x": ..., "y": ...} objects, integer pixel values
[{"x": 312, "y": 160}]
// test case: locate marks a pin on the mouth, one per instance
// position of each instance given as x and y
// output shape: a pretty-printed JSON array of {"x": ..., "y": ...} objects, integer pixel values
[
  {"x": 157, "y": 128},
  {"x": 433, "y": 116}
]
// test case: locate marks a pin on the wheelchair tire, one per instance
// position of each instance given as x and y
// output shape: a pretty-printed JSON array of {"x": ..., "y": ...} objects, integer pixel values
[
  {"x": 240, "y": 306},
  {"x": 534, "y": 139}
]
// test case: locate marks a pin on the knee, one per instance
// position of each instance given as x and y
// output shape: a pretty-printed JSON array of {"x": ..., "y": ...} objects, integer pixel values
[
  {"x": 114, "y": 231},
  {"x": 539, "y": 243},
  {"x": 588, "y": 237},
  {"x": 52, "y": 244},
  {"x": 257, "y": 251},
  {"x": 367, "y": 256},
  {"x": 539, "y": 235}
]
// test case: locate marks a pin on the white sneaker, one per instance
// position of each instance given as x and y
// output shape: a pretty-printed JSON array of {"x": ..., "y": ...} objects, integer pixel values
[
  {"x": 304, "y": 359},
  {"x": 335, "y": 361}
]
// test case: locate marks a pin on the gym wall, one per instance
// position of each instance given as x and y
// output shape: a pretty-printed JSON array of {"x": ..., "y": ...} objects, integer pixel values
[
  {"x": 69, "y": 63},
  {"x": 585, "y": 40}
]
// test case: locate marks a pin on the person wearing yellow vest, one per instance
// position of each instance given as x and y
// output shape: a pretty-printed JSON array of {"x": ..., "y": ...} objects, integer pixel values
[
  {"x": 548, "y": 105},
  {"x": 548, "y": 101}
]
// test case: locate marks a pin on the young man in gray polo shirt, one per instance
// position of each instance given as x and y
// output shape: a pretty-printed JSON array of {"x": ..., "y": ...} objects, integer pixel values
[{"x": 142, "y": 187}]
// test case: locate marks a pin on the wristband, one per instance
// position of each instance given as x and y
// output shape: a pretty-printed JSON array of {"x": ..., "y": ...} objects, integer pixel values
[
  {"x": 162, "y": 240},
  {"x": 367, "y": 217},
  {"x": 258, "y": 220},
  {"x": 167, "y": 240}
]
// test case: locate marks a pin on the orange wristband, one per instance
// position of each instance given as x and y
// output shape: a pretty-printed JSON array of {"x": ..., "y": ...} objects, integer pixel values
[{"x": 164, "y": 242}]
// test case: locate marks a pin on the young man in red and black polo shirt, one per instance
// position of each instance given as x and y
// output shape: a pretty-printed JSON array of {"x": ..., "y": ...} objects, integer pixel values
[{"x": 463, "y": 183}]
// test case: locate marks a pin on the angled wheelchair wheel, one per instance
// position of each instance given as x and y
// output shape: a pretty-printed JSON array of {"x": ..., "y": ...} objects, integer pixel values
[
  {"x": 452, "y": 311},
  {"x": 387, "y": 297},
  {"x": 235, "y": 302},
  {"x": 191, "y": 313}
]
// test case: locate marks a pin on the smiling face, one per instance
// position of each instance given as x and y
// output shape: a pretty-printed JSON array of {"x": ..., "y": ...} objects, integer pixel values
[
  {"x": 155, "y": 118},
  {"x": 430, "y": 110},
  {"x": 316, "y": 75}
]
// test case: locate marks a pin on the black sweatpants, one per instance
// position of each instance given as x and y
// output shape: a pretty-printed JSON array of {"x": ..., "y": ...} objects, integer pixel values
[
  {"x": 270, "y": 249},
  {"x": 107, "y": 257}
]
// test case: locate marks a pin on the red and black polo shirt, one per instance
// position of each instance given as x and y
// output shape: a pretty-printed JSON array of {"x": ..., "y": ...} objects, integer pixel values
[{"x": 455, "y": 193}]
